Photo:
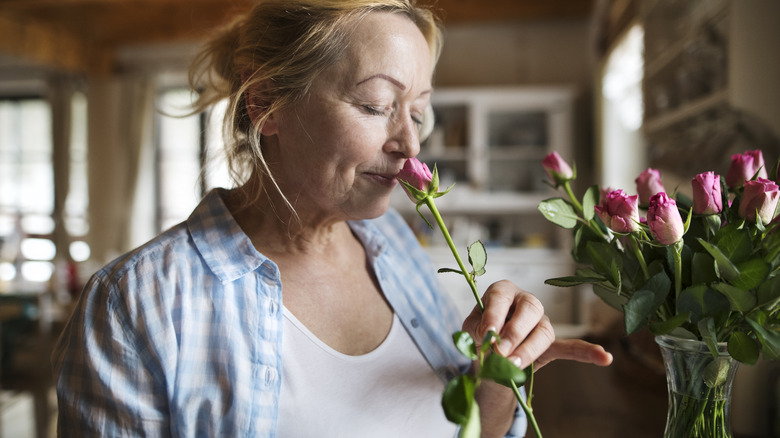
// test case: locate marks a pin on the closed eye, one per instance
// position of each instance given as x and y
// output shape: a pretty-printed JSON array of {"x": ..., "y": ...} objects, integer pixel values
[{"x": 372, "y": 110}]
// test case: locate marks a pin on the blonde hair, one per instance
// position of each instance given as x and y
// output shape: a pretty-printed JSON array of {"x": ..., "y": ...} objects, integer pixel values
[{"x": 277, "y": 50}]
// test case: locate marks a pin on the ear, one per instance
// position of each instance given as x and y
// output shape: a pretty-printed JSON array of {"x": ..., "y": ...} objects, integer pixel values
[{"x": 257, "y": 108}]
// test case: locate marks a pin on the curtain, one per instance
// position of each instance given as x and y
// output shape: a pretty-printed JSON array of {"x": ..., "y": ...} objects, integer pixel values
[{"x": 120, "y": 118}]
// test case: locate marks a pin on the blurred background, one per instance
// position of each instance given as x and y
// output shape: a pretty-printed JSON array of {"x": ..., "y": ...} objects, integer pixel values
[{"x": 96, "y": 157}]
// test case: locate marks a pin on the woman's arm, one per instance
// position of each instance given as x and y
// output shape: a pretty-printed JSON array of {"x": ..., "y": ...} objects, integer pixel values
[
  {"x": 527, "y": 336},
  {"x": 104, "y": 386}
]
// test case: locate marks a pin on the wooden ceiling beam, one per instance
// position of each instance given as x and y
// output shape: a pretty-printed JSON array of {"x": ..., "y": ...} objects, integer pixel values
[
  {"x": 43, "y": 44},
  {"x": 469, "y": 11},
  {"x": 84, "y": 35}
]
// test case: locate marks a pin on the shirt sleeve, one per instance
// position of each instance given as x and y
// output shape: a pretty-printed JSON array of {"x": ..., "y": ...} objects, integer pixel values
[
  {"x": 105, "y": 379},
  {"x": 520, "y": 425}
]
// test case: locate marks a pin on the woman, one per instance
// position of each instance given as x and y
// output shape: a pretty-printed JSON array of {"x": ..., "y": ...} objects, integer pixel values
[{"x": 190, "y": 336}]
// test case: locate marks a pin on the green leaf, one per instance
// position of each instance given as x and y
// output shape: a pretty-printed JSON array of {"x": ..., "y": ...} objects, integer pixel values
[
  {"x": 643, "y": 303},
  {"x": 501, "y": 370},
  {"x": 743, "y": 348},
  {"x": 589, "y": 201},
  {"x": 433, "y": 187},
  {"x": 703, "y": 269},
  {"x": 487, "y": 341},
  {"x": 667, "y": 326},
  {"x": 458, "y": 398},
  {"x": 610, "y": 296},
  {"x": 472, "y": 428},
  {"x": 706, "y": 328},
  {"x": 716, "y": 373},
  {"x": 603, "y": 255},
  {"x": 614, "y": 274},
  {"x": 769, "y": 293},
  {"x": 572, "y": 281},
  {"x": 702, "y": 301},
  {"x": 660, "y": 285},
  {"x": 477, "y": 257},
  {"x": 681, "y": 332},
  {"x": 770, "y": 340},
  {"x": 559, "y": 212},
  {"x": 741, "y": 300},
  {"x": 465, "y": 344},
  {"x": 638, "y": 309},
  {"x": 726, "y": 268},
  {"x": 735, "y": 243},
  {"x": 752, "y": 273},
  {"x": 443, "y": 270}
]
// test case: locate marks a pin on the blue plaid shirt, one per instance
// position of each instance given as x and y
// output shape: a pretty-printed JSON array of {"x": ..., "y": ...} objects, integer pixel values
[{"x": 182, "y": 337}]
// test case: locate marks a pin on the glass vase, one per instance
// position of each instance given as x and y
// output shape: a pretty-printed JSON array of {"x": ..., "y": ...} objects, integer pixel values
[{"x": 699, "y": 388}]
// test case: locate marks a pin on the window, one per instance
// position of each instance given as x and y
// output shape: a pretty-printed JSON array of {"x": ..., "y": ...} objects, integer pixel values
[
  {"x": 188, "y": 148},
  {"x": 26, "y": 190},
  {"x": 622, "y": 156},
  {"x": 77, "y": 200}
]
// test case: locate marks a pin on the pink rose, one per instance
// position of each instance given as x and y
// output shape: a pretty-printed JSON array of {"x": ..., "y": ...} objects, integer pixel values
[
  {"x": 648, "y": 183},
  {"x": 707, "y": 197},
  {"x": 664, "y": 219},
  {"x": 760, "y": 197},
  {"x": 418, "y": 176},
  {"x": 619, "y": 212},
  {"x": 558, "y": 169},
  {"x": 744, "y": 166}
]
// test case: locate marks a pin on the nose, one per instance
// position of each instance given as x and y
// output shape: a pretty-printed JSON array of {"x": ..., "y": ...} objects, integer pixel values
[{"x": 404, "y": 138}]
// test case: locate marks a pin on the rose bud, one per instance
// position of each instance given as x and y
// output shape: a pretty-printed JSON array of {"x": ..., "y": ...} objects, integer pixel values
[
  {"x": 707, "y": 197},
  {"x": 664, "y": 219},
  {"x": 558, "y": 169},
  {"x": 619, "y": 212},
  {"x": 744, "y": 166},
  {"x": 648, "y": 183},
  {"x": 603, "y": 192},
  {"x": 416, "y": 179},
  {"x": 760, "y": 197}
]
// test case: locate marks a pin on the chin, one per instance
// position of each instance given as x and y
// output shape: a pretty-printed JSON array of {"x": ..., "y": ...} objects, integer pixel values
[{"x": 372, "y": 210}]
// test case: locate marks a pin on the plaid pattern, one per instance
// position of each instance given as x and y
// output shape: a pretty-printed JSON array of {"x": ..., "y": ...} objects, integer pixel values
[{"x": 182, "y": 337}]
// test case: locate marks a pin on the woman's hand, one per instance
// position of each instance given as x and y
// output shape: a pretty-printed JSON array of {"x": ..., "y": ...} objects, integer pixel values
[
  {"x": 526, "y": 336},
  {"x": 526, "y": 332}
]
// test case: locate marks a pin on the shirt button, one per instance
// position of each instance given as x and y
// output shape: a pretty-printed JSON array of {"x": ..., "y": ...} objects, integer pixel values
[
  {"x": 270, "y": 376},
  {"x": 415, "y": 323},
  {"x": 272, "y": 308}
]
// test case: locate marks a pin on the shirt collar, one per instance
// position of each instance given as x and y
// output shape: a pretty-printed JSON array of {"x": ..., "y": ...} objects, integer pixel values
[
  {"x": 369, "y": 235},
  {"x": 229, "y": 252},
  {"x": 225, "y": 248}
]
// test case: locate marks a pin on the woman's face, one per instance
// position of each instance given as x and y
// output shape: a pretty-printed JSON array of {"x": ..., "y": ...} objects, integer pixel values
[{"x": 337, "y": 152}]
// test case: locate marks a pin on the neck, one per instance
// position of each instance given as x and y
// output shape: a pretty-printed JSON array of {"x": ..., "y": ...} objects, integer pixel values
[{"x": 275, "y": 228}]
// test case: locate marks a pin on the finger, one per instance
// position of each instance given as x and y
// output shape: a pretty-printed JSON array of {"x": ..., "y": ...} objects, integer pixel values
[
  {"x": 533, "y": 346},
  {"x": 497, "y": 302},
  {"x": 577, "y": 350},
  {"x": 471, "y": 323},
  {"x": 527, "y": 313}
]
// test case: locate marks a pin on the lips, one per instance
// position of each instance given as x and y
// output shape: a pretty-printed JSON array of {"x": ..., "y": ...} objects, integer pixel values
[{"x": 384, "y": 178}]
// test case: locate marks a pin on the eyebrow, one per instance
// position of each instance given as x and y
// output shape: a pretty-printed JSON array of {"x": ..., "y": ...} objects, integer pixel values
[{"x": 390, "y": 79}]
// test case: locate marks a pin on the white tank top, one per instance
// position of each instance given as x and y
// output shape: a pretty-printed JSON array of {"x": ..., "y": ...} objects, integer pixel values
[{"x": 389, "y": 392}]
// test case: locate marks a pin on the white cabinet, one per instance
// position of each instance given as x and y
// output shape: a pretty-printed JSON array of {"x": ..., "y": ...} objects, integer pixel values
[{"x": 490, "y": 142}]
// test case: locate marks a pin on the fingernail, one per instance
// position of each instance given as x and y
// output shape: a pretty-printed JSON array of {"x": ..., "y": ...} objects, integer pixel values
[{"x": 518, "y": 362}]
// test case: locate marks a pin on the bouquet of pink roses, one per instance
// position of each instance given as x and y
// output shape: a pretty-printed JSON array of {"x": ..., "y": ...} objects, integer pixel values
[
  {"x": 694, "y": 271},
  {"x": 704, "y": 268}
]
